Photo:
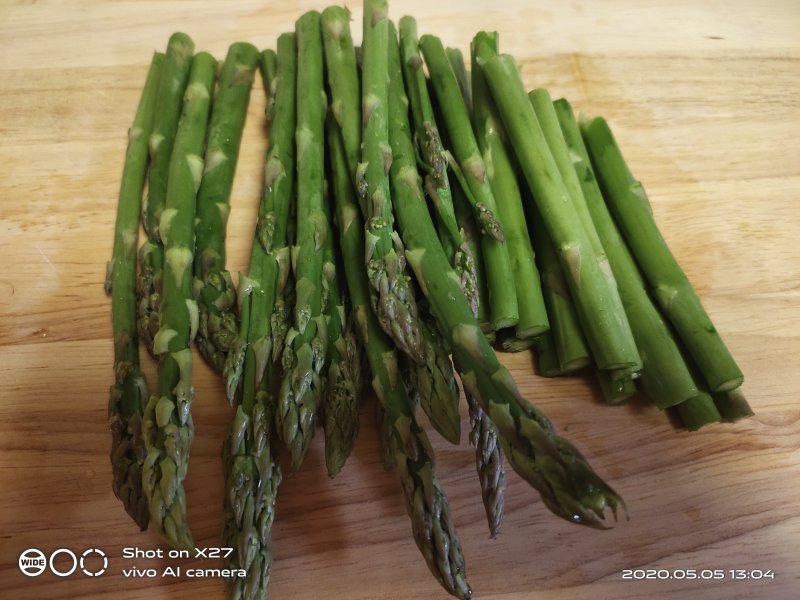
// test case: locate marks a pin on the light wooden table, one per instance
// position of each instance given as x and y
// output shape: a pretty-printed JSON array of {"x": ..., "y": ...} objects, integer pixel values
[{"x": 703, "y": 97}]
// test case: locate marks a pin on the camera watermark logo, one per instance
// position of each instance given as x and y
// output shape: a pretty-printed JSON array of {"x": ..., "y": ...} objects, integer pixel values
[{"x": 34, "y": 562}]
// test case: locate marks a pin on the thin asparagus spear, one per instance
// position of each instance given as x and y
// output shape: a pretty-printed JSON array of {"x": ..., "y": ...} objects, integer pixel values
[
  {"x": 250, "y": 461},
  {"x": 392, "y": 298},
  {"x": 434, "y": 161},
  {"x": 167, "y": 423},
  {"x": 628, "y": 203},
  {"x": 306, "y": 346},
  {"x": 551, "y": 464},
  {"x": 665, "y": 377},
  {"x": 503, "y": 181},
  {"x": 426, "y": 503},
  {"x": 544, "y": 347},
  {"x": 129, "y": 391},
  {"x": 606, "y": 334},
  {"x": 213, "y": 287},
  {"x": 462, "y": 76},
  {"x": 171, "y": 86},
  {"x": 500, "y": 278}
]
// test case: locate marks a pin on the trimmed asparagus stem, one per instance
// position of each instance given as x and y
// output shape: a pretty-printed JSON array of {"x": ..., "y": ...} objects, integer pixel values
[
  {"x": 462, "y": 76},
  {"x": 607, "y": 336},
  {"x": 547, "y": 364},
  {"x": 503, "y": 181},
  {"x": 306, "y": 347},
  {"x": 568, "y": 342},
  {"x": 732, "y": 406},
  {"x": 698, "y": 411},
  {"x": 614, "y": 391},
  {"x": 343, "y": 81},
  {"x": 213, "y": 286},
  {"x": 434, "y": 161},
  {"x": 665, "y": 377},
  {"x": 167, "y": 423},
  {"x": 406, "y": 444},
  {"x": 500, "y": 277},
  {"x": 392, "y": 297},
  {"x": 548, "y": 462},
  {"x": 628, "y": 203},
  {"x": 129, "y": 391},
  {"x": 250, "y": 461},
  {"x": 171, "y": 87}
]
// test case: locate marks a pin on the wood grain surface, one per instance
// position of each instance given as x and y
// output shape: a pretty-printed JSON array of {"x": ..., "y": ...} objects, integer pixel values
[{"x": 703, "y": 97}]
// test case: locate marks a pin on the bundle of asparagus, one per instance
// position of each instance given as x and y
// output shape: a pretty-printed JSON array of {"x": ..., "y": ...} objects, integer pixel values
[{"x": 406, "y": 218}]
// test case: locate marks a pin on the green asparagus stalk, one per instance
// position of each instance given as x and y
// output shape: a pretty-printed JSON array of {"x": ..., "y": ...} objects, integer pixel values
[
  {"x": 250, "y": 461},
  {"x": 546, "y": 115},
  {"x": 665, "y": 377},
  {"x": 306, "y": 346},
  {"x": 732, "y": 406},
  {"x": 606, "y": 334},
  {"x": 698, "y": 411},
  {"x": 129, "y": 391},
  {"x": 171, "y": 86},
  {"x": 167, "y": 423},
  {"x": 392, "y": 298},
  {"x": 434, "y": 161},
  {"x": 628, "y": 203},
  {"x": 462, "y": 76},
  {"x": 547, "y": 363},
  {"x": 426, "y": 503},
  {"x": 503, "y": 180},
  {"x": 566, "y": 482},
  {"x": 614, "y": 391},
  {"x": 500, "y": 278},
  {"x": 213, "y": 287}
]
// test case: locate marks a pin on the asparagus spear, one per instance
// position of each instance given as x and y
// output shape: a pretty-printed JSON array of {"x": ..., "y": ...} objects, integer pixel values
[
  {"x": 129, "y": 391},
  {"x": 665, "y": 377},
  {"x": 551, "y": 464},
  {"x": 503, "y": 181},
  {"x": 434, "y": 160},
  {"x": 171, "y": 86},
  {"x": 732, "y": 406},
  {"x": 251, "y": 466},
  {"x": 698, "y": 411},
  {"x": 167, "y": 423},
  {"x": 306, "y": 346},
  {"x": 392, "y": 298},
  {"x": 426, "y": 503},
  {"x": 628, "y": 203},
  {"x": 607, "y": 335},
  {"x": 462, "y": 76},
  {"x": 213, "y": 287},
  {"x": 500, "y": 278}
]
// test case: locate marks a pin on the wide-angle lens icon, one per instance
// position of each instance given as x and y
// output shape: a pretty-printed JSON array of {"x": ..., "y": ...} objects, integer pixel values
[{"x": 32, "y": 562}]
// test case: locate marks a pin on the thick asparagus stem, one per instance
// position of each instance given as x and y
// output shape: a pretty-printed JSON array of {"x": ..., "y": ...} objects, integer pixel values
[
  {"x": 171, "y": 86},
  {"x": 614, "y": 391},
  {"x": 551, "y": 464},
  {"x": 167, "y": 423},
  {"x": 503, "y": 180},
  {"x": 213, "y": 287},
  {"x": 698, "y": 411},
  {"x": 665, "y": 377},
  {"x": 434, "y": 161},
  {"x": 409, "y": 450},
  {"x": 500, "y": 278},
  {"x": 392, "y": 298},
  {"x": 306, "y": 346},
  {"x": 732, "y": 406},
  {"x": 250, "y": 461},
  {"x": 628, "y": 203},
  {"x": 129, "y": 391},
  {"x": 606, "y": 334}
]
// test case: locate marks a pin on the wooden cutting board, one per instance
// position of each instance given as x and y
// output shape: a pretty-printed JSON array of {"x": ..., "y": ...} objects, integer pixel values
[{"x": 703, "y": 99}]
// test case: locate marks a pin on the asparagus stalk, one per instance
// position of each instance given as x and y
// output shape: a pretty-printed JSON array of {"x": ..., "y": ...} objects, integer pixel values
[
  {"x": 306, "y": 346},
  {"x": 614, "y": 391},
  {"x": 167, "y": 423},
  {"x": 426, "y": 503},
  {"x": 551, "y": 464},
  {"x": 606, "y": 334},
  {"x": 732, "y": 406},
  {"x": 500, "y": 278},
  {"x": 213, "y": 287},
  {"x": 698, "y": 411},
  {"x": 129, "y": 391},
  {"x": 628, "y": 203},
  {"x": 434, "y": 161},
  {"x": 250, "y": 461},
  {"x": 503, "y": 181},
  {"x": 463, "y": 77},
  {"x": 392, "y": 298},
  {"x": 665, "y": 377},
  {"x": 171, "y": 86}
]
